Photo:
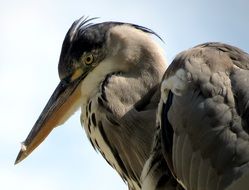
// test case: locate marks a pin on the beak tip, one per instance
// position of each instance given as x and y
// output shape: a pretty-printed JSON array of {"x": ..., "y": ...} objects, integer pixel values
[
  {"x": 18, "y": 158},
  {"x": 22, "y": 153},
  {"x": 16, "y": 162}
]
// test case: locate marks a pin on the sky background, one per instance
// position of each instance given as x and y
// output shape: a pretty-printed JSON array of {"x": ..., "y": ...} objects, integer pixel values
[{"x": 31, "y": 34}]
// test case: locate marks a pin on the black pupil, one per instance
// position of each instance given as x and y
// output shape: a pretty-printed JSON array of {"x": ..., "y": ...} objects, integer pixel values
[{"x": 88, "y": 59}]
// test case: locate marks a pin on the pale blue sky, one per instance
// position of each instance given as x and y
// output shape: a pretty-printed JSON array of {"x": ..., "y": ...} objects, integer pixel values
[{"x": 30, "y": 41}]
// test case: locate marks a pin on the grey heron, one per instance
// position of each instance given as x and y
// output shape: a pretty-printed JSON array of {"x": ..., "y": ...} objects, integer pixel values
[
  {"x": 203, "y": 119},
  {"x": 111, "y": 71}
]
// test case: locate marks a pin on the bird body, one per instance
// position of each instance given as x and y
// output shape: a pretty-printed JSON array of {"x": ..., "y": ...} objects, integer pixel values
[
  {"x": 203, "y": 117},
  {"x": 112, "y": 71}
]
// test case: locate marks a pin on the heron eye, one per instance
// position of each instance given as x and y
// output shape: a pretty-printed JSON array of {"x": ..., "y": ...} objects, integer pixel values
[{"x": 88, "y": 59}]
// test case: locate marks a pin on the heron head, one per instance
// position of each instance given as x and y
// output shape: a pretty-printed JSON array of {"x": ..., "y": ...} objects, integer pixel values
[{"x": 89, "y": 52}]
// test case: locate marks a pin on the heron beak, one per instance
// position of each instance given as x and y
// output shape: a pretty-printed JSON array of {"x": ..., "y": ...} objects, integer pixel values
[{"x": 65, "y": 96}]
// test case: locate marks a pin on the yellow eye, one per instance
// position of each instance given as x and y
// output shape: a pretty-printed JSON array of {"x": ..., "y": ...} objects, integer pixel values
[{"x": 88, "y": 59}]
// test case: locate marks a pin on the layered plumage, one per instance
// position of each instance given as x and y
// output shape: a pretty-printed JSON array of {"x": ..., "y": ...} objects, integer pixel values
[{"x": 203, "y": 117}]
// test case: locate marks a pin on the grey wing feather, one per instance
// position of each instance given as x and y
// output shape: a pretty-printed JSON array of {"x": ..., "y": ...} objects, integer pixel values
[
  {"x": 140, "y": 125},
  {"x": 210, "y": 116},
  {"x": 240, "y": 184}
]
